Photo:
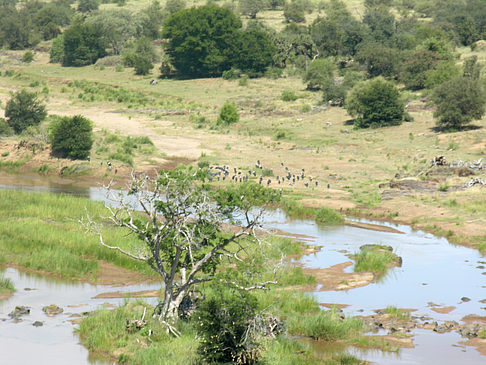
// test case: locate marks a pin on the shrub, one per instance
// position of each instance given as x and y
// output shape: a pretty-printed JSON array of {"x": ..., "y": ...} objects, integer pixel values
[
  {"x": 56, "y": 54},
  {"x": 288, "y": 95},
  {"x": 24, "y": 110},
  {"x": 142, "y": 65},
  {"x": 319, "y": 73},
  {"x": 458, "y": 101},
  {"x": 375, "y": 102},
  {"x": 28, "y": 57},
  {"x": 328, "y": 216},
  {"x": 222, "y": 323},
  {"x": 72, "y": 137},
  {"x": 229, "y": 114},
  {"x": 231, "y": 74},
  {"x": 5, "y": 129}
]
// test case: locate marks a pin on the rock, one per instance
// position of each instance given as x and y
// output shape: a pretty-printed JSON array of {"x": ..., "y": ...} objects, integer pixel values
[
  {"x": 465, "y": 299},
  {"x": 52, "y": 310},
  {"x": 19, "y": 311},
  {"x": 470, "y": 330},
  {"x": 38, "y": 324}
]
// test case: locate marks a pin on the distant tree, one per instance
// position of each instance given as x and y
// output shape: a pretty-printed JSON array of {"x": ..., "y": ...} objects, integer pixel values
[
  {"x": 85, "y": 6},
  {"x": 375, "y": 103},
  {"x": 72, "y": 137},
  {"x": 379, "y": 60},
  {"x": 56, "y": 54},
  {"x": 459, "y": 102},
  {"x": 142, "y": 64},
  {"x": 5, "y": 129},
  {"x": 416, "y": 66},
  {"x": 382, "y": 24},
  {"x": 445, "y": 71},
  {"x": 150, "y": 20},
  {"x": 17, "y": 30},
  {"x": 83, "y": 45},
  {"x": 23, "y": 110},
  {"x": 145, "y": 47},
  {"x": 173, "y": 6},
  {"x": 319, "y": 74},
  {"x": 50, "y": 31},
  {"x": 228, "y": 114},
  {"x": 28, "y": 57},
  {"x": 202, "y": 40},
  {"x": 252, "y": 7},
  {"x": 294, "y": 11},
  {"x": 472, "y": 68},
  {"x": 256, "y": 50}
]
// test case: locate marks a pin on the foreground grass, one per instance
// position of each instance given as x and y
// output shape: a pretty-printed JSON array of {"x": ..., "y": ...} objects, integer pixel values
[{"x": 41, "y": 232}]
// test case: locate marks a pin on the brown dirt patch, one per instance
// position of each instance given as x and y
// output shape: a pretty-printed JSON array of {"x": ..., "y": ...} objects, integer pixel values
[
  {"x": 334, "y": 277},
  {"x": 109, "y": 274},
  {"x": 402, "y": 342},
  {"x": 4, "y": 296},
  {"x": 473, "y": 318},
  {"x": 137, "y": 294},
  {"x": 373, "y": 227},
  {"x": 334, "y": 305},
  {"x": 443, "y": 310},
  {"x": 478, "y": 343}
]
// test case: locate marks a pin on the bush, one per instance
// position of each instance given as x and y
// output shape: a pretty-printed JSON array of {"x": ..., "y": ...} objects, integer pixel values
[
  {"x": 5, "y": 129},
  {"x": 328, "y": 216},
  {"x": 222, "y": 323},
  {"x": 28, "y": 57},
  {"x": 72, "y": 137},
  {"x": 229, "y": 114},
  {"x": 319, "y": 74},
  {"x": 142, "y": 65},
  {"x": 24, "y": 110},
  {"x": 56, "y": 54},
  {"x": 288, "y": 95},
  {"x": 375, "y": 102},
  {"x": 458, "y": 101},
  {"x": 231, "y": 74}
]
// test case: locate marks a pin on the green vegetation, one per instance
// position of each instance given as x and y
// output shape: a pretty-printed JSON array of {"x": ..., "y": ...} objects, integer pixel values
[
  {"x": 228, "y": 114},
  {"x": 376, "y": 259},
  {"x": 328, "y": 216},
  {"x": 72, "y": 137},
  {"x": 397, "y": 313},
  {"x": 23, "y": 110},
  {"x": 6, "y": 285}
]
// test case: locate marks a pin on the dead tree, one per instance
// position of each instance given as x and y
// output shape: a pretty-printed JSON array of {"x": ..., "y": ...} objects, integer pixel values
[{"x": 184, "y": 229}]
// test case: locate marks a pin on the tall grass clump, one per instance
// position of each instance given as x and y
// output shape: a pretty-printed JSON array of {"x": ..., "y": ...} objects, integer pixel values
[
  {"x": 376, "y": 259},
  {"x": 397, "y": 313},
  {"x": 6, "y": 285},
  {"x": 287, "y": 351},
  {"x": 326, "y": 325},
  {"x": 328, "y": 216}
]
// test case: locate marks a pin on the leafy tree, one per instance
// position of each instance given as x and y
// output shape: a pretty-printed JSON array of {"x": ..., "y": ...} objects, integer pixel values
[
  {"x": 86, "y": 6},
  {"x": 416, "y": 66},
  {"x": 459, "y": 102},
  {"x": 150, "y": 20},
  {"x": 228, "y": 114},
  {"x": 294, "y": 11},
  {"x": 56, "y": 54},
  {"x": 445, "y": 71},
  {"x": 256, "y": 50},
  {"x": 83, "y": 45},
  {"x": 379, "y": 60},
  {"x": 252, "y": 7},
  {"x": 222, "y": 322},
  {"x": 23, "y": 110},
  {"x": 28, "y": 57},
  {"x": 319, "y": 74},
  {"x": 202, "y": 40},
  {"x": 382, "y": 24},
  {"x": 5, "y": 129},
  {"x": 375, "y": 102},
  {"x": 116, "y": 27},
  {"x": 173, "y": 6},
  {"x": 143, "y": 64},
  {"x": 71, "y": 137},
  {"x": 181, "y": 235},
  {"x": 17, "y": 30}
]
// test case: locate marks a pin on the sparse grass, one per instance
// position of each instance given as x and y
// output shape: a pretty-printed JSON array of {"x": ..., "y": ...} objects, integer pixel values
[
  {"x": 326, "y": 325},
  {"x": 375, "y": 259},
  {"x": 12, "y": 166}
]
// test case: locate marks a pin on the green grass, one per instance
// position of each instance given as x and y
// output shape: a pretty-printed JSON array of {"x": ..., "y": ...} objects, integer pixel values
[
  {"x": 375, "y": 259},
  {"x": 328, "y": 216},
  {"x": 326, "y": 325},
  {"x": 6, "y": 285},
  {"x": 41, "y": 231},
  {"x": 12, "y": 166},
  {"x": 397, "y": 313},
  {"x": 374, "y": 342},
  {"x": 287, "y": 351}
]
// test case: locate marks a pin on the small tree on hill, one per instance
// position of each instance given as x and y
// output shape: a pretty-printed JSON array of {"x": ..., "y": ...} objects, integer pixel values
[
  {"x": 23, "y": 110},
  {"x": 143, "y": 64},
  {"x": 459, "y": 102},
  {"x": 375, "y": 102},
  {"x": 72, "y": 137},
  {"x": 252, "y": 7},
  {"x": 228, "y": 114}
]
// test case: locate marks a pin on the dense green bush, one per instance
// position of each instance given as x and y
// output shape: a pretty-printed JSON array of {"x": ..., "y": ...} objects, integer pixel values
[
  {"x": 142, "y": 65},
  {"x": 28, "y": 57},
  {"x": 83, "y": 45},
  {"x": 71, "y": 137},
  {"x": 23, "y": 110},
  {"x": 222, "y": 320},
  {"x": 5, "y": 129},
  {"x": 319, "y": 74},
  {"x": 229, "y": 114},
  {"x": 375, "y": 103}
]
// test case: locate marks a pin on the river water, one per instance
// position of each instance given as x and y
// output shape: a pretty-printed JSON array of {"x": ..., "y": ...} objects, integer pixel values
[{"x": 433, "y": 271}]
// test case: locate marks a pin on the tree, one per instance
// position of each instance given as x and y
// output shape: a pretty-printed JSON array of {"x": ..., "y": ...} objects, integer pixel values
[
  {"x": 228, "y": 114},
  {"x": 294, "y": 11},
  {"x": 202, "y": 40},
  {"x": 416, "y": 67},
  {"x": 181, "y": 234},
  {"x": 142, "y": 64},
  {"x": 375, "y": 102},
  {"x": 252, "y": 7},
  {"x": 71, "y": 137},
  {"x": 23, "y": 110},
  {"x": 173, "y": 6},
  {"x": 379, "y": 60},
  {"x": 459, "y": 102},
  {"x": 85, "y": 6},
  {"x": 83, "y": 45},
  {"x": 56, "y": 54},
  {"x": 256, "y": 51},
  {"x": 319, "y": 73}
]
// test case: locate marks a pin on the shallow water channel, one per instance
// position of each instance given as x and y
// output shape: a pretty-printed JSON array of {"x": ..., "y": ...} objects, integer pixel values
[{"x": 433, "y": 271}]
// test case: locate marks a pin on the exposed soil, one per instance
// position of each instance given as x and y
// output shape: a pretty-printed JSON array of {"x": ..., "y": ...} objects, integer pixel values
[
  {"x": 443, "y": 310},
  {"x": 109, "y": 274},
  {"x": 373, "y": 227},
  {"x": 334, "y": 277},
  {"x": 478, "y": 343},
  {"x": 4, "y": 296},
  {"x": 138, "y": 294}
]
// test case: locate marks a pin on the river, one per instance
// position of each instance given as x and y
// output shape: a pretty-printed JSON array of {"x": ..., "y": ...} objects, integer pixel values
[{"x": 433, "y": 271}]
